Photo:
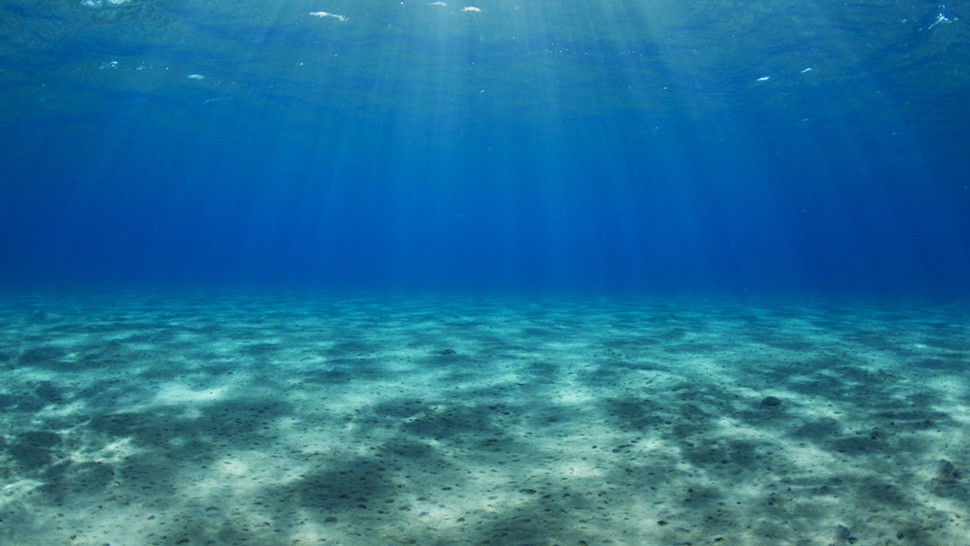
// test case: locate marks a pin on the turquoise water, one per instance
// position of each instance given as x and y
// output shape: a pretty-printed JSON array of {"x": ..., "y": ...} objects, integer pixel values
[{"x": 517, "y": 273}]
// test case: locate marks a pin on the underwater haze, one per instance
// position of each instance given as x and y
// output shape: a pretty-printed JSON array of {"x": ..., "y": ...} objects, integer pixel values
[
  {"x": 490, "y": 272},
  {"x": 537, "y": 145}
]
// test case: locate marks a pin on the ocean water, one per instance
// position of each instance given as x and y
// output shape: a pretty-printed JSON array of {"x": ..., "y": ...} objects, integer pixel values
[{"x": 496, "y": 272}]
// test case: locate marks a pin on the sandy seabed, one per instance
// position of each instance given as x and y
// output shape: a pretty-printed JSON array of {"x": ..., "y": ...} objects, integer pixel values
[{"x": 148, "y": 418}]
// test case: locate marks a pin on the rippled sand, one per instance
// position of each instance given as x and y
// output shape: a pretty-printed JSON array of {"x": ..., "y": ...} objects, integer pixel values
[{"x": 147, "y": 418}]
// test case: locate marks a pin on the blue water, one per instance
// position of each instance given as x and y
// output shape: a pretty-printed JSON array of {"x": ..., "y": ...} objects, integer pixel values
[
  {"x": 496, "y": 272},
  {"x": 606, "y": 146}
]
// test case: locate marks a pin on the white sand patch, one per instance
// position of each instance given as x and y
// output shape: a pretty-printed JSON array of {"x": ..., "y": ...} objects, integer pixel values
[
  {"x": 112, "y": 453},
  {"x": 19, "y": 488},
  {"x": 571, "y": 397},
  {"x": 176, "y": 393},
  {"x": 232, "y": 467},
  {"x": 323, "y": 14},
  {"x": 952, "y": 386}
]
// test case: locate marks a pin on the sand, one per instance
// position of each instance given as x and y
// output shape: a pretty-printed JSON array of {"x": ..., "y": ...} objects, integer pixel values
[{"x": 135, "y": 418}]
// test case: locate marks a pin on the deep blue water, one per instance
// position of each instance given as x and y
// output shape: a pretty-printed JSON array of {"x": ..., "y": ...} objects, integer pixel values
[{"x": 596, "y": 146}]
